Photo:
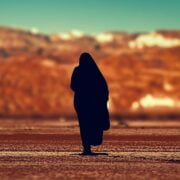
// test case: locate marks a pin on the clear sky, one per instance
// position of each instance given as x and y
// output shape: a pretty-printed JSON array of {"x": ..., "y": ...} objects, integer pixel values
[{"x": 91, "y": 16}]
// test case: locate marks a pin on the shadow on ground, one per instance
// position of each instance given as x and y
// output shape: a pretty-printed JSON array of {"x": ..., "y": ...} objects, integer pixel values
[{"x": 92, "y": 154}]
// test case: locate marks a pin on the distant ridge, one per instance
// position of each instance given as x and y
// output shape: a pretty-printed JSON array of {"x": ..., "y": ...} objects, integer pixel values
[{"x": 140, "y": 68}]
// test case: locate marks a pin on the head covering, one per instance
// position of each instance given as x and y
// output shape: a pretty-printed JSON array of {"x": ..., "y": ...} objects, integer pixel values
[{"x": 86, "y": 61}]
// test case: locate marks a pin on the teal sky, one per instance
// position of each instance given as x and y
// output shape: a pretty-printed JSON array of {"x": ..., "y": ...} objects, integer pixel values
[{"x": 91, "y": 16}]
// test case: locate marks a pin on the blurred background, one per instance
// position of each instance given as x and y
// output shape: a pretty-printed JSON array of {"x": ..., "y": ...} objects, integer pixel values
[{"x": 135, "y": 43}]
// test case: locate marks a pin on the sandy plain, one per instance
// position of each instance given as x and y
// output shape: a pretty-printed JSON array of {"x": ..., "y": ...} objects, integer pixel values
[{"x": 50, "y": 149}]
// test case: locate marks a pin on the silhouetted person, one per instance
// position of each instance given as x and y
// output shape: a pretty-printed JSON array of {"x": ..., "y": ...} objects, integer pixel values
[{"x": 90, "y": 102}]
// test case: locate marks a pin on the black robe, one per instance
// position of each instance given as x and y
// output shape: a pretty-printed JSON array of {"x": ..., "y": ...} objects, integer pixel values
[{"x": 90, "y": 102}]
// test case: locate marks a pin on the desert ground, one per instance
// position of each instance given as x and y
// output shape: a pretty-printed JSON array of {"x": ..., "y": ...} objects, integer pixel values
[{"x": 50, "y": 149}]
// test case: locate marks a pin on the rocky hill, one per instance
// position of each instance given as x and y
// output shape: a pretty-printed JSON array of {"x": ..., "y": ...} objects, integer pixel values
[{"x": 142, "y": 70}]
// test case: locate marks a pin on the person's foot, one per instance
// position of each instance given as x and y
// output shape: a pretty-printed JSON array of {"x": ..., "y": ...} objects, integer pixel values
[
  {"x": 87, "y": 150},
  {"x": 88, "y": 153}
]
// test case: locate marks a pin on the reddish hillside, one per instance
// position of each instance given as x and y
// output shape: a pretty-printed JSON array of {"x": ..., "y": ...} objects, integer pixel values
[{"x": 142, "y": 70}]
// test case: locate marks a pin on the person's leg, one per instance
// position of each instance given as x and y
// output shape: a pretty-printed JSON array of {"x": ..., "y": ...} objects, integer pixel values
[
  {"x": 85, "y": 138},
  {"x": 85, "y": 141}
]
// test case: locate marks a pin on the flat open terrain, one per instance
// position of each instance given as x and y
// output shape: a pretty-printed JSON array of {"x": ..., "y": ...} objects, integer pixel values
[{"x": 49, "y": 149}]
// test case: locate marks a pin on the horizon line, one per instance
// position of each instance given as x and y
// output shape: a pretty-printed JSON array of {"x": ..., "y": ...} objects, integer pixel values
[{"x": 38, "y": 30}]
